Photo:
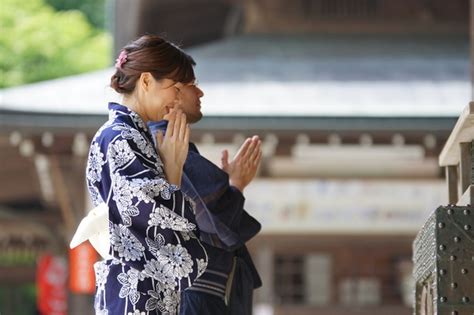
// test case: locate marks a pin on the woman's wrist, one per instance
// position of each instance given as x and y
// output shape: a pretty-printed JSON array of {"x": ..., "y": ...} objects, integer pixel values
[
  {"x": 174, "y": 188},
  {"x": 173, "y": 176},
  {"x": 174, "y": 180}
]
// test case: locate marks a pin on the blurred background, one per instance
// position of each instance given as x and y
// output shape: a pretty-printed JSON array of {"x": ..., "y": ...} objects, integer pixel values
[{"x": 354, "y": 100}]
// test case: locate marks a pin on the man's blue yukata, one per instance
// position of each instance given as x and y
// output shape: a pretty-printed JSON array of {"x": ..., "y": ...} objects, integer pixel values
[{"x": 227, "y": 284}]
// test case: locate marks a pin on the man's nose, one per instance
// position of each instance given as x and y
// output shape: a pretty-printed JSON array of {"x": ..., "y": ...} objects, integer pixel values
[{"x": 200, "y": 92}]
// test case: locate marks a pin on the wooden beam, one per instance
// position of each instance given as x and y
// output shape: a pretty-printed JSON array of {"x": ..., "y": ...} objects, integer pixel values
[
  {"x": 463, "y": 131},
  {"x": 280, "y": 167},
  {"x": 14, "y": 275}
]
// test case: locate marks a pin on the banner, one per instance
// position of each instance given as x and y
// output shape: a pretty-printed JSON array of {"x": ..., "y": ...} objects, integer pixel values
[
  {"x": 343, "y": 206},
  {"x": 51, "y": 278},
  {"x": 81, "y": 269}
]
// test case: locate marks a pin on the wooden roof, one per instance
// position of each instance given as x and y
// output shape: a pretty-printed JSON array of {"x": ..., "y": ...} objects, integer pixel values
[{"x": 298, "y": 76}]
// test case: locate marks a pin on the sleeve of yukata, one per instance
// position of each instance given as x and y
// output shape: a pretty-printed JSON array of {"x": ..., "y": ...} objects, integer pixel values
[
  {"x": 229, "y": 207},
  {"x": 152, "y": 225}
]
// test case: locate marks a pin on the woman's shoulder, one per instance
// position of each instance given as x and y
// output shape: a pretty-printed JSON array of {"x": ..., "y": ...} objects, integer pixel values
[
  {"x": 110, "y": 130},
  {"x": 116, "y": 127},
  {"x": 126, "y": 133}
]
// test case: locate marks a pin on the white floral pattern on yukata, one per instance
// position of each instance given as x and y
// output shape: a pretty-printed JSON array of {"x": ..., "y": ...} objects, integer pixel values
[{"x": 154, "y": 241}]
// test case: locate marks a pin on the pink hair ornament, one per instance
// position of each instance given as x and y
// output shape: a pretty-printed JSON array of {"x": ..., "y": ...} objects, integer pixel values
[{"x": 122, "y": 58}]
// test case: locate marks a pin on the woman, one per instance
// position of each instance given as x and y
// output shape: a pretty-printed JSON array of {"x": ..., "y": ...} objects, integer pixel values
[{"x": 154, "y": 242}]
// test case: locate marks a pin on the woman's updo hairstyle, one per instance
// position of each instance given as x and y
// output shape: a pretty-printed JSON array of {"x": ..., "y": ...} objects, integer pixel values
[{"x": 151, "y": 53}]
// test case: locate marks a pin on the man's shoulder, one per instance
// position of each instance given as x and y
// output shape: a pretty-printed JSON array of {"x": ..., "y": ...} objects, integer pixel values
[{"x": 193, "y": 148}]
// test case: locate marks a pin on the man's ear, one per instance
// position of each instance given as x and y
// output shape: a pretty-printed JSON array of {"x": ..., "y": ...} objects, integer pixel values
[
  {"x": 178, "y": 100},
  {"x": 175, "y": 104}
]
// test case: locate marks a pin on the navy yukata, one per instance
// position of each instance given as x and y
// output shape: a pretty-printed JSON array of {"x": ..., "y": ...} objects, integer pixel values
[
  {"x": 227, "y": 284},
  {"x": 154, "y": 239}
]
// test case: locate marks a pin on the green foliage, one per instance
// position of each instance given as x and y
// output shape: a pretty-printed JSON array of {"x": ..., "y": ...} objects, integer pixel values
[
  {"x": 18, "y": 299},
  {"x": 93, "y": 9},
  {"x": 38, "y": 43}
]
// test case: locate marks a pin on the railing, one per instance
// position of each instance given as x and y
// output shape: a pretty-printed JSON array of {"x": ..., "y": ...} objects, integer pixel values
[{"x": 457, "y": 158}]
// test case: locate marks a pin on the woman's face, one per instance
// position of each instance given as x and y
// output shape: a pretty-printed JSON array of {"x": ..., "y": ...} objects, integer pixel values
[{"x": 160, "y": 97}]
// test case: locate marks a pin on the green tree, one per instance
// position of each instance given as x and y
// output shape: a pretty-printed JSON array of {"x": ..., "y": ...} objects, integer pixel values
[
  {"x": 93, "y": 9},
  {"x": 38, "y": 43}
]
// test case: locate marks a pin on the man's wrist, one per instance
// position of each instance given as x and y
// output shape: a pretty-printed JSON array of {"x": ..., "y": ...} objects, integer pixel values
[{"x": 238, "y": 185}]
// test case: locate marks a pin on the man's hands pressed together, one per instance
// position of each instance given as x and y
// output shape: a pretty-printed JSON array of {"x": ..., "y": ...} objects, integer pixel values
[{"x": 243, "y": 167}]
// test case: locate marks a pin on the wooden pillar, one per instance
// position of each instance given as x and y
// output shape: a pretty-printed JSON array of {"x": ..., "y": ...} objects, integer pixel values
[
  {"x": 81, "y": 304},
  {"x": 452, "y": 182},
  {"x": 471, "y": 32},
  {"x": 62, "y": 195},
  {"x": 68, "y": 174},
  {"x": 264, "y": 264},
  {"x": 465, "y": 166},
  {"x": 126, "y": 20}
]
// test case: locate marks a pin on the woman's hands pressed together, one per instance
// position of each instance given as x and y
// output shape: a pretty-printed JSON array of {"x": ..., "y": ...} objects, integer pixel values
[{"x": 173, "y": 146}]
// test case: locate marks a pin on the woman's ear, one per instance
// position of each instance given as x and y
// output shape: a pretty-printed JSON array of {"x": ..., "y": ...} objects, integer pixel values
[{"x": 145, "y": 81}]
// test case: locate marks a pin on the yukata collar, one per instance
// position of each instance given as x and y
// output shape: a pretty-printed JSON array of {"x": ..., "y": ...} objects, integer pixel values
[
  {"x": 158, "y": 125},
  {"x": 117, "y": 109}
]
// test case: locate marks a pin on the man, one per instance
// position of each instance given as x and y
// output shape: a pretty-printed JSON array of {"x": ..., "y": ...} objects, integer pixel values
[{"x": 226, "y": 287}]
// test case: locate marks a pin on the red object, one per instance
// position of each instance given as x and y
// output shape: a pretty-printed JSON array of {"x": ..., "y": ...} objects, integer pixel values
[
  {"x": 51, "y": 278},
  {"x": 81, "y": 269}
]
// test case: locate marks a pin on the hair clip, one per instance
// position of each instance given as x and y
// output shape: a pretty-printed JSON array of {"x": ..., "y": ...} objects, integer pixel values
[{"x": 122, "y": 58}]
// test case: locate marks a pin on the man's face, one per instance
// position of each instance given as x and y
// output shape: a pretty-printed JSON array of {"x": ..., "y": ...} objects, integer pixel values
[{"x": 189, "y": 101}]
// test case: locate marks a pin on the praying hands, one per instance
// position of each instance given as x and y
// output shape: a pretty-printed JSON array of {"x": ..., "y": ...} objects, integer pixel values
[{"x": 243, "y": 167}]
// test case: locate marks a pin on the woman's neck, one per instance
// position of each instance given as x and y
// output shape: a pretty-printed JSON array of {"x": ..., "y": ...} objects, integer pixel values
[{"x": 132, "y": 103}]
